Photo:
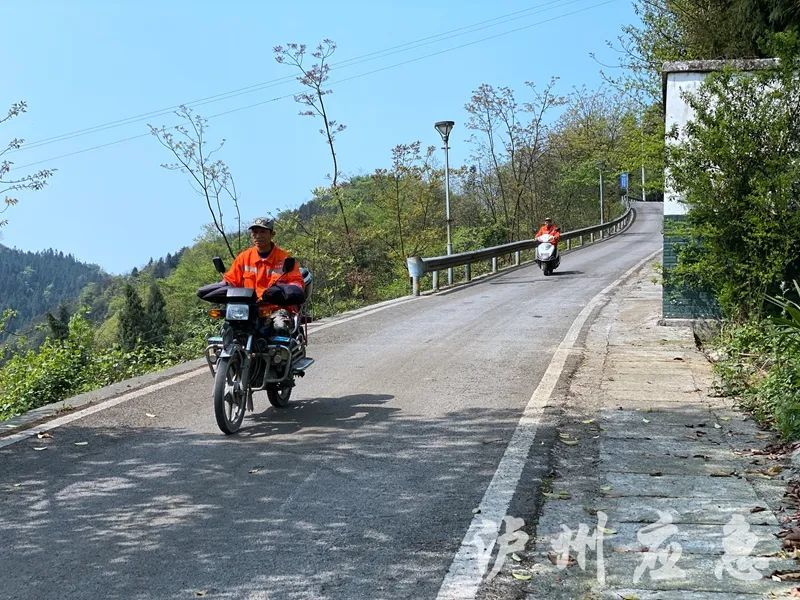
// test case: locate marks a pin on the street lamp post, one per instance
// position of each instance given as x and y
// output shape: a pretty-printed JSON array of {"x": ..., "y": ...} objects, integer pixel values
[
  {"x": 444, "y": 128},
  {"x": 602, "y": 212}
]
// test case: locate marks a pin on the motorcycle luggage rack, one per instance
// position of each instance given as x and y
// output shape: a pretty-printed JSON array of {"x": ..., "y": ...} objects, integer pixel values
[{"x": 213, "y": 350}]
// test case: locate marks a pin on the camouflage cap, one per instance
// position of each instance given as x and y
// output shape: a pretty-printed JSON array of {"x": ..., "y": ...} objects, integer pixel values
[{"x": 264, "y": 223}]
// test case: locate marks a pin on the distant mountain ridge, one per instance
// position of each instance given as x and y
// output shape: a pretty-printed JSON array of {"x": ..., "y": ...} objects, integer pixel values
[{"x": 33, "y": 283}]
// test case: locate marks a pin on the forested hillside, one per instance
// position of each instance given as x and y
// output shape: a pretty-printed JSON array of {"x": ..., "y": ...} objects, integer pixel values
[{"x": 34, "y": 283}]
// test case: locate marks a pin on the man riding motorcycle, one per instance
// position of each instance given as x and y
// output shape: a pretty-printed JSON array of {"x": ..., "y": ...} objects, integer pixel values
[{"x": 261, "y": 267}]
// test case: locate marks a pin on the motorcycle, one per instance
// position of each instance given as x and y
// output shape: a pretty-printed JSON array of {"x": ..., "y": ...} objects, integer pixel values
[
  {"x": 247, "y": 357},
  {"x": 547, "y": 256}
]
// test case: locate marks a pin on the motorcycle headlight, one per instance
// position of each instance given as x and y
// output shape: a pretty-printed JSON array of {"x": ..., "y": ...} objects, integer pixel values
[{"x": 237, "y": 312}]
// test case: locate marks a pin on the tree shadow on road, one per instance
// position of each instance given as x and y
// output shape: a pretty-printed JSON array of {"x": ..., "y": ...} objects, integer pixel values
[{"x": 333, "y": 498}]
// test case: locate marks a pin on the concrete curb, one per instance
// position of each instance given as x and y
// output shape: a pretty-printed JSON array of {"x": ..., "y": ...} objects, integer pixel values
[{"x": 50, "y": 411}]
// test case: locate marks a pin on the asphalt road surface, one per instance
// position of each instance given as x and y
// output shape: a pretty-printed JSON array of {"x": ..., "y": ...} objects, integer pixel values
[{"x": 362, "y": 489}]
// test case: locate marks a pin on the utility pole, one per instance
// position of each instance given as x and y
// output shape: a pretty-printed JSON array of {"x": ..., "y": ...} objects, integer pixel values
[
  {"x": 644, "y": 195},
  {"x": 602, "y": 212}
]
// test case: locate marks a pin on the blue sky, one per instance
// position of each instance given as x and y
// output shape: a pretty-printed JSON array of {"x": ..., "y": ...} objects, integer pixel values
[{"x": 83, "y": 64}]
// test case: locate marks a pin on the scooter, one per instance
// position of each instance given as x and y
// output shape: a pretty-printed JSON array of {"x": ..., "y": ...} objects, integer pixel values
[{"x": 547, "y": 256}]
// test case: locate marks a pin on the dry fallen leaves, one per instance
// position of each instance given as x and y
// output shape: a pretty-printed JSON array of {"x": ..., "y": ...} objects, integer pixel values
[
  {"x": 522, "y": 575},
  {"x": 722, "y": 474},
  {"x": 561, "y": 495},
  {"x": 790, "y": 537},
  {"x": 44, "y": 434},
  {"x": 560, "y": 560}
]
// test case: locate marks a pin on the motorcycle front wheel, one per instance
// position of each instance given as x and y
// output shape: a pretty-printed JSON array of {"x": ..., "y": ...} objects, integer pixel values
[
  {"x": 230, "y": 394},
  {"x": 279, "y": 397}
]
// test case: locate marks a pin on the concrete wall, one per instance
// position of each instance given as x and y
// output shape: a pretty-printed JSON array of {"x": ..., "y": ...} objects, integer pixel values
[{"x": 677, "y": 113}]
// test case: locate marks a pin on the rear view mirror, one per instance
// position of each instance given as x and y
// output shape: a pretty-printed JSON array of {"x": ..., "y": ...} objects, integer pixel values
[
  {"x": 288, "y": 264},
  {"x": 218, "y": 264}
]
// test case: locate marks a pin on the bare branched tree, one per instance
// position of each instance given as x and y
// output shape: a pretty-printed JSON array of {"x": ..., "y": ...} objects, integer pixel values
[
  {"x": 314, "y": 78},
  {"x": 210, "y": 177},
  {"x": 9, "y": 184},
  {"x": 512, "y": 140}
]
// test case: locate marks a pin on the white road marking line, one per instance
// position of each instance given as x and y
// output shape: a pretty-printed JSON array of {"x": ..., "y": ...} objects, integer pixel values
[
  {"x": 469, "y": 564},
  {"x": 58, "y": 422},
  {"x": 313, "y": 329}
]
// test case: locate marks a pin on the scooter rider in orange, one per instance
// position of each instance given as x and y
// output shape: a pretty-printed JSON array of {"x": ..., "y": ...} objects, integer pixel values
[
  {"x": 261, "y": 268},
  {"x": 551, "y": 229}
]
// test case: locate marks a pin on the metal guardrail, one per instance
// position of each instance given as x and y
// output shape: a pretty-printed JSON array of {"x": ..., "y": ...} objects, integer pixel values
[{"x": 418, "y": 267}]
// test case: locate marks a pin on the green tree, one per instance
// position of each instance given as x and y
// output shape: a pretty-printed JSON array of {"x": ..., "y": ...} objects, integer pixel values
[
  {"x": 59, "y": 325},
  {"x": 672, "y": 30},
  {"x": 739, "y": 169},
  {"x": 155, "y": 317},
  {"x": 132, "y": 328}
]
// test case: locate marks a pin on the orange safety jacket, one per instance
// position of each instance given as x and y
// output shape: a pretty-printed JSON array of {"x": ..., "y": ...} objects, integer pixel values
[
  {"x": 552, "y": 230},
  {"x": 251, "y": 271}
]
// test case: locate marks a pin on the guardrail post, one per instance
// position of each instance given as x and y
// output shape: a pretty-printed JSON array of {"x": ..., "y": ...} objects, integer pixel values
[
  {"x": 416, "y": 269},
  {"x": 467, "y": 272},
  {"x": 568, "y": 244},
  {"x": 435, "y": 277},
  {"x": 516, "y": 258},
  {"x": 494, "y": 264},
  {"x": 591, "y": 238}
]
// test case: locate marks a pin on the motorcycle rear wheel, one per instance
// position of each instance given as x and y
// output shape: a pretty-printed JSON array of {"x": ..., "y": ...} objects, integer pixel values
[
  {"x": 279, "y": 397},
  {"x": 229, "y": 394}
]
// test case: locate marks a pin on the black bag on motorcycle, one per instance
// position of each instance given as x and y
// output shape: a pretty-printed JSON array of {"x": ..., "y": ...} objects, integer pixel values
[{"x": 214, "y": 292}]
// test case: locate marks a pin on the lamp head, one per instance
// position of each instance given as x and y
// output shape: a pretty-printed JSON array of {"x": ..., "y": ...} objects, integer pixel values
[{"x": 444, "y": 128}]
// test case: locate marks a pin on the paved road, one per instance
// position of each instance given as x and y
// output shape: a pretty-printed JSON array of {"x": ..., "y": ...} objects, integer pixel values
[{"x": 362, "y": 489}]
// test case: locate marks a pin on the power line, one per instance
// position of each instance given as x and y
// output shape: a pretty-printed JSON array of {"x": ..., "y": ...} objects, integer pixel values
[
  {"x": 346, "y": 79},
  {"x": 405, "y": 47}
]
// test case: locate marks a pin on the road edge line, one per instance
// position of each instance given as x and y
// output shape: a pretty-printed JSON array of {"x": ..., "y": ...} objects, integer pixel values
[{"x": 466, "y": 572}]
